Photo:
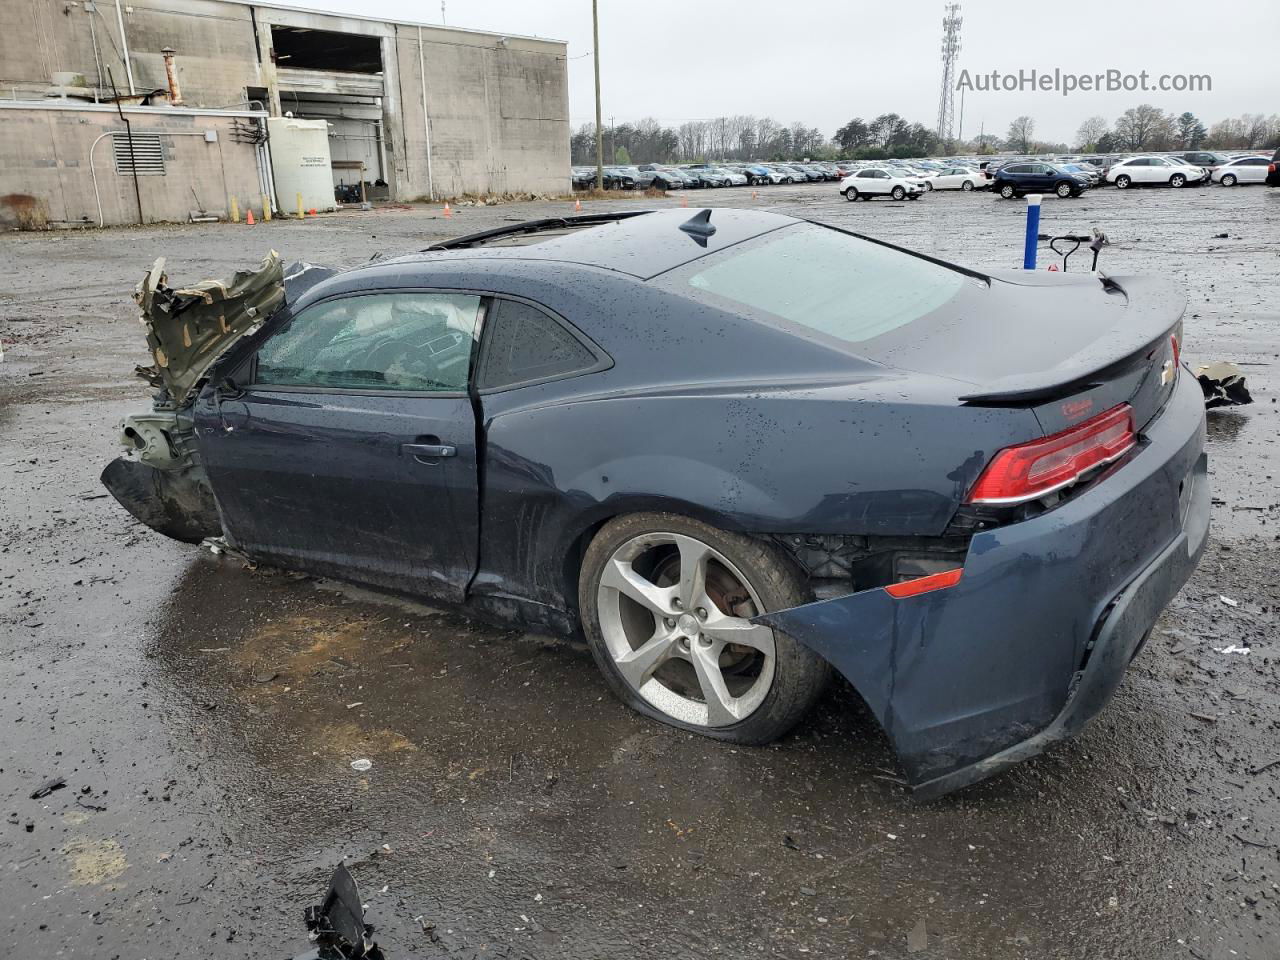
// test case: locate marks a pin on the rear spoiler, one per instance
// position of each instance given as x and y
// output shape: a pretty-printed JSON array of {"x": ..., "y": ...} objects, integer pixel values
[{"x": 1154, "y": 306}]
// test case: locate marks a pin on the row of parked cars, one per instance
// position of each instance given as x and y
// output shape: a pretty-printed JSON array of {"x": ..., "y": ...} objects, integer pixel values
[
  {"x": 1010, "y": 177},
  {"x": 1070, "y": 176},
  {"x": 699, "y": 175}
]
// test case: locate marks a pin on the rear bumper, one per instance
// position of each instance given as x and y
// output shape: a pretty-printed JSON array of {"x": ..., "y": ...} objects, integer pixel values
[{"x": 1035, "y": 638}]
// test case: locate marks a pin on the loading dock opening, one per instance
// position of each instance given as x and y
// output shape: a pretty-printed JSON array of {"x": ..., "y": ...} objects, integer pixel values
[{"x": 299, "y": 48}]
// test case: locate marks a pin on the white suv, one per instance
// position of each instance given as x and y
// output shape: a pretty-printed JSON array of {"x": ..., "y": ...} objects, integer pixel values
[{"x": 878, "y": 181}]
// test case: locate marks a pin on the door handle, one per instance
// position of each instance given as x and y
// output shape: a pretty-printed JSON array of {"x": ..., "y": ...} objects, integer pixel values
[{"x": 428, "y": 452}]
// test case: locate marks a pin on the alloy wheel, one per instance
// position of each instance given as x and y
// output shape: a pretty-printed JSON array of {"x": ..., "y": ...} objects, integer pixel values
[{"x": 675, "y": 615}]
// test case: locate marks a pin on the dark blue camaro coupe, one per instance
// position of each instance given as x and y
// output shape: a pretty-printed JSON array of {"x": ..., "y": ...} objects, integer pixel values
[{"x": 734, "y": 451}]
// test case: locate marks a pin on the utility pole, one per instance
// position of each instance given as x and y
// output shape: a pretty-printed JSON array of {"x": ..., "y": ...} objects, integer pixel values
[{"x": 595, "y": 29}]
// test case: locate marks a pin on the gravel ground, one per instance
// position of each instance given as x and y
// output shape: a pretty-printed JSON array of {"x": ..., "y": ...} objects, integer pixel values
[{"x": 205, "y": 714}]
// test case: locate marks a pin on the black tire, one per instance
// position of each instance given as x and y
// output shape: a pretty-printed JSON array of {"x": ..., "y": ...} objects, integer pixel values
[
  {"x": 928, "y": 186},
  {"x": 1122, "y": 182},
  {"x": 851, "y": 194},
  {"x": 967, "y": 186},
  {"x": 898, "y": 192},
  {"x": 1062, "y": 189},
  {"x": 800, "y": 675},
  {"x": 1228, "y": 179},
  {"x": 1177, "y": 180},
  {"x": 1007, "y": 191}
]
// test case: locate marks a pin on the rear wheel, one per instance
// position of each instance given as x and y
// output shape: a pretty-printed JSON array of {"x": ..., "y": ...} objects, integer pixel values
[
  {"x": 1007, "y": 191},
  {"x": 899, "y": 192},
  {"x": 967, "y": 186},
  {"x": 1228, "y": 179},
  {"x": 851, "y": 194},
  {"x": 1123, "y": 182},
  {"x": 1063, "y": 189},
  {"x": 1177, "y": 180},
  {"x": 667, "y": 604}
]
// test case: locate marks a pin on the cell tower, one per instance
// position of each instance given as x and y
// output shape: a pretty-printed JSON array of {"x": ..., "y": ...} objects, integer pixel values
[{"x": 950, "y": 53}]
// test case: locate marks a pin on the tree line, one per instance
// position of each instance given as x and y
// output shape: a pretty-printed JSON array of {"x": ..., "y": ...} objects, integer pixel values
[
  {"x": 744, "y": 137},
  {"x": 1149, "y": 128}
]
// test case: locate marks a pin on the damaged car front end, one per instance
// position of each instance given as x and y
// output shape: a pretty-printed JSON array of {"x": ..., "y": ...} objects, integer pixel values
[{"x": 161, "y": 481}]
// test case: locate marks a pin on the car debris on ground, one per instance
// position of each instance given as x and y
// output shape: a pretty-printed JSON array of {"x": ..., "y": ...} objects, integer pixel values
[
  {"x": 1223, "y": 384},
  {"x": 337, "y": 924}
]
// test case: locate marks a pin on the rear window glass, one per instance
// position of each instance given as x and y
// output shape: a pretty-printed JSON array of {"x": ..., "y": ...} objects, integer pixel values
[{"x": 838, "y": 285}]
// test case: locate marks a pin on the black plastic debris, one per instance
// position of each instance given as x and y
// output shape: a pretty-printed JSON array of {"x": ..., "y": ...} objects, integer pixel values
[
  {"x": 337, "y": 924},
  {"x": 46, "y": 788},
  {"x": 1223, "y": 385}
]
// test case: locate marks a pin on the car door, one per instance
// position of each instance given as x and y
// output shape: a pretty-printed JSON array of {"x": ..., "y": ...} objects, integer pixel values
[
  {"x": 868, "y": 181},
  {"x": 1252, "y": 170},
  {"x": 1150, "y": 170},
  {"x": 1043, "y": 177},
  {"x": 351, "y": 449}
]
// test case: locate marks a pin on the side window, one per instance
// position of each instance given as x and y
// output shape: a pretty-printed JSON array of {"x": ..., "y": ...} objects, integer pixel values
[
  {"x": 522, "y": 344},
  {"x": 379, "y": 341}
]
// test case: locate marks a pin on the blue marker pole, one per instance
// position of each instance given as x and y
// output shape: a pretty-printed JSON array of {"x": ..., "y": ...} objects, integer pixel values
[{"x": 1033, "y": 231}]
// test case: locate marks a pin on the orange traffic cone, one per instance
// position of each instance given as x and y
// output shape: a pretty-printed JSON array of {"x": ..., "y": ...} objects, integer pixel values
[
  {"x": 577, "y": 206},
  {"x": 249, "y": 217},
  {"x": 1053, "y": 266},
  {"x": 447, "y": 212},
  {"x": 684, "y": 201},
  {"x": 312, "y": 211}
]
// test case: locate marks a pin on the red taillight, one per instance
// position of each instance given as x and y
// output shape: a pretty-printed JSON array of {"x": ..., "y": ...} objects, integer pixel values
[
  {"x": 1177, "y": 352},
  {"x": 919, "y": 585},
  {"x": 1034, "y": 469}
]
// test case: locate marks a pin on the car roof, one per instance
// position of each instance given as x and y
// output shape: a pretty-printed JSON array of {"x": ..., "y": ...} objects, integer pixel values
[{"x": 642, "y": 244}]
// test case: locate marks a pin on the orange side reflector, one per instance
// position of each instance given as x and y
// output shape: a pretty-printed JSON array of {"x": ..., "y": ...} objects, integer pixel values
[{"x": 935, "y": 581}]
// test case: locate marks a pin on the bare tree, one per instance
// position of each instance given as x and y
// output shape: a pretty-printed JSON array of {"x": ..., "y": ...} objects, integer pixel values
[
  {"x": 1091, "y": 132},
  {"x": 1020, "y": 134},
  {"x": 1144, "y": 127}
]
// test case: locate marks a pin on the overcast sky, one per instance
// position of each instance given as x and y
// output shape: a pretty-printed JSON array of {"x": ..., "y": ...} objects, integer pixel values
[{"x": 825, "y": 63}]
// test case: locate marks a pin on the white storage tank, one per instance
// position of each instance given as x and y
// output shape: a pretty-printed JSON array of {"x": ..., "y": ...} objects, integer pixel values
[{"x": 300, "y": 163}]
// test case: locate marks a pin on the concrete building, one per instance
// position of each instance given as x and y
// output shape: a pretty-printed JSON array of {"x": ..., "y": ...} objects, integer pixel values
[{"x": 427, "y": 111}]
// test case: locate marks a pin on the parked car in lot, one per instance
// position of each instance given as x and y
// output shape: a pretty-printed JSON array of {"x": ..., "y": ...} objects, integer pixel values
[
  {"x": 1242, "y": 170},
  {"x": 1273, "y": 171},
  {"x": 627, "y": 178},
  {"x": 667, "y": 179},
  {"x": 1091, "y": 174},
  {"x": 879, "y": 182},
  {"x": 980, "y": 489},
  {"x": 1209, "y": 160},
  {"x": 758, "y": 174},
  {"x": 1152, "y": 170},
  {"x": 957, "y": 178},
  {"x": 735, "y": 178},
  {"x": 691, "y": 179},
  {"x": 1018, "y": 179},
  {"x": 583, "y": 177}
]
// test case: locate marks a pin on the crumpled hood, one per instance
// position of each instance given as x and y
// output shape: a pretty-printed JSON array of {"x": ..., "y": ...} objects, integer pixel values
[{"x": 188, "y": 329}]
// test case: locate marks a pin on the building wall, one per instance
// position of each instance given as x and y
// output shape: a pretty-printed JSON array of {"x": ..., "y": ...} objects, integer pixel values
[
  {"x": 498, "y": 106},
  {"x": 45, "y": 171}
]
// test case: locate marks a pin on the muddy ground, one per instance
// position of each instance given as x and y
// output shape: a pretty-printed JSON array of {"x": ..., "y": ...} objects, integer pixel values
[{"x": 205, "y": 715}]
